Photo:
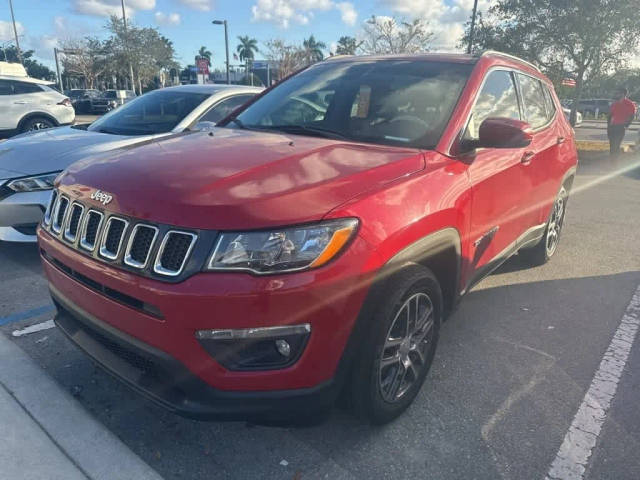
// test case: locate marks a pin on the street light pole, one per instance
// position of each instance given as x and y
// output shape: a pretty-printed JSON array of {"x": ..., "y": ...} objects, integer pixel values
[
  {"x": 226, "y": 44},
  {"x": 473, "y": 26},
  {"x": 124, "y": 22},
  {"x": 55, "y": 54},
  {"x": 15, "y": 32}
]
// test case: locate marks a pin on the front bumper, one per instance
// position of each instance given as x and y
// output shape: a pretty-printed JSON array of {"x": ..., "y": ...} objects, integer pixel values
[
  {"x": 20, "y": 213},
  {"x": 162, "y": 379},
  {"x": 329, "y": 299}
]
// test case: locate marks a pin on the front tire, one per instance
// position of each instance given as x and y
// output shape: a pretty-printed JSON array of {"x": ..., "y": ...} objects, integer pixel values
[
  {"x": 36, "y": 123},
  {"x": 400, "y": 345},
  {"x": 542, "y": 252}
]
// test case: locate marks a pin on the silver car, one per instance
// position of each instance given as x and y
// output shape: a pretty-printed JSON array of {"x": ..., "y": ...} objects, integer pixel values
[{"x": 29, "y": 163}]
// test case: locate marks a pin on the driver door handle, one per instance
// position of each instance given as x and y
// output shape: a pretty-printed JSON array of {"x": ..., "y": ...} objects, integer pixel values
[
  {"x": 20, "y": 102},
  {"x": 561, "y": 140},
  {"x": 527, "y": 157}
]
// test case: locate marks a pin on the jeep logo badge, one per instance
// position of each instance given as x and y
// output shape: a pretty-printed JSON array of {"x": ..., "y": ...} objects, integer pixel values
[{"x": 101, "y": 197}]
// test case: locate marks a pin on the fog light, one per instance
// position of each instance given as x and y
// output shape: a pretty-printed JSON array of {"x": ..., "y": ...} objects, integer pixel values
[
  {"x": 283, "y": 347},
  {"x": 265, "y": 348}
]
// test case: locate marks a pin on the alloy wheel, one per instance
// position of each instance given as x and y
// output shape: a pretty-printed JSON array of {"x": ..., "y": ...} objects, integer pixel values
[
  {"x": 555, "y": 226},
  {"x": 404, "y": 354}
]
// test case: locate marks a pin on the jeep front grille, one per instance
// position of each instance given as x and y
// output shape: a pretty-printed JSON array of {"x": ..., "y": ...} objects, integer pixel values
[
  {"x": 52, "y": 202},
  {"x": 90, "y": 227},
  {"x": 173, "y": 253},
  {"x": 139, "y": 247},
  {"x": 71, "y": 229},
  {"x": 59, "y": 213},
  {"x": 112, "y": 237},
  {"x": 152, "y": 250}
]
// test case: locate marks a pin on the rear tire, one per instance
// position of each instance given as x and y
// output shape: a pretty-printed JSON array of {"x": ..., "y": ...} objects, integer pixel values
[
  {"x": 399, "y": 347},
  {"x": 36, "y": 123},
  {"x": 542, "y": 252}
]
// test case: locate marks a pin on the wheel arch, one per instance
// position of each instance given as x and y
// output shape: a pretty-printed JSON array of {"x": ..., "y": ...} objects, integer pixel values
[
  {"x": 440, "y": 252},
  {"x": 37, "y": 114}
]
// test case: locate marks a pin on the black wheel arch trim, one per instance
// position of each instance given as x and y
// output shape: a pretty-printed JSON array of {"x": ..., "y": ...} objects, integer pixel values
[
  {"x": 31, "y": 115},
  {"x": 445, "y": 241}
]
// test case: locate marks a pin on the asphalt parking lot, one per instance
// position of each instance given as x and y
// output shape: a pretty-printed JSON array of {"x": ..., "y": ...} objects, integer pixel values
[{"x": 511, "y": 371}]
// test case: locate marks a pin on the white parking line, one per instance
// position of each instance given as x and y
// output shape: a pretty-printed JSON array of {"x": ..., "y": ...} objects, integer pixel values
[
  {"x": 572, "y": 458},
  {"x": 38, "y": 327}
]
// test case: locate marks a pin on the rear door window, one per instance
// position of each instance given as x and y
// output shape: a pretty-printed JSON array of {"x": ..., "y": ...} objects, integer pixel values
[
  {"x": 533, "y": 99},
  {"x": 497, "y": 98}
]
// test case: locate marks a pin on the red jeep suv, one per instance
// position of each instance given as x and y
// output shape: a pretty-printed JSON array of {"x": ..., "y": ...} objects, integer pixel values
[{"x": 313, "y": 244}]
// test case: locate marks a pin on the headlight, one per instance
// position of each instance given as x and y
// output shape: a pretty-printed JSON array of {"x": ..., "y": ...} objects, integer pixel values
[
  {"x": 282, "y": 250},
  {"x": 113, "y": 103},
  {"x": 32, "y": 184}
]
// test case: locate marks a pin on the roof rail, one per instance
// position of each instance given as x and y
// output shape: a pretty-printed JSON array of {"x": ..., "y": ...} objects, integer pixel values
[{"x": 512, "y": 57}]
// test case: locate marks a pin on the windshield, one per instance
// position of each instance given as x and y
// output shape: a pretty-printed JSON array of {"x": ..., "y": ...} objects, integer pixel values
[
  {"x": 154, "y": 112},
  {"x": 393, "y": 102}
]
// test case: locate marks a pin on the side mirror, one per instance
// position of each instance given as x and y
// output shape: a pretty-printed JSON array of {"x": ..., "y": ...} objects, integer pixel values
[{"x": 502, "y": 132}]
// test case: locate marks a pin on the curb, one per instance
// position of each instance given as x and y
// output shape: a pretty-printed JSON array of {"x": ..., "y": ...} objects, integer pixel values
[{"x": 95, "y": 450}]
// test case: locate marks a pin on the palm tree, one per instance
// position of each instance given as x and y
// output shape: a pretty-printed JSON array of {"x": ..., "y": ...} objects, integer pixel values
[
  {"x": 312, "y": 50},
  {"x": 246, "y": 48},
  {"x": 204, "y": 53}
]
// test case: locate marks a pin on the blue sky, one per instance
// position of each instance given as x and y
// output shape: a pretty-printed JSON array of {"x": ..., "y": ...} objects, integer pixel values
[{"x": 44, "y": 23}]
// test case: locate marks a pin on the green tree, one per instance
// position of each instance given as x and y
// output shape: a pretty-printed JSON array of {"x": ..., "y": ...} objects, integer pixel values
[
  {"x": 577, "y": 39},
  {"x": 148, "y": 52},
  {"x": 347, "y": 46},
  {"x": 204, "y": 53},
  {"x": 33, "y": 67},
  {"x": 312, "y": 50}
]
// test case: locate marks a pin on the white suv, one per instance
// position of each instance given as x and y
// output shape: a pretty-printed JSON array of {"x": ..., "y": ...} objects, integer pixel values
[{"x": 30, "y": 104}]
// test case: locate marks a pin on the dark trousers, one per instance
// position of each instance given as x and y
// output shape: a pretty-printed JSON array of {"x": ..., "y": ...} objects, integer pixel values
[{"x": 616, "y": 135}]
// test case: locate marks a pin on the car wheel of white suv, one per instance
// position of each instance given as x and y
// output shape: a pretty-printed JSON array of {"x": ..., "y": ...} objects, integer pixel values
[{"x": 36, "y": 123}]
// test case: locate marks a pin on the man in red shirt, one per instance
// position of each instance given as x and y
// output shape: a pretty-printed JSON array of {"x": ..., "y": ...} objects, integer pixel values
[{"x": 621, "y": 115}]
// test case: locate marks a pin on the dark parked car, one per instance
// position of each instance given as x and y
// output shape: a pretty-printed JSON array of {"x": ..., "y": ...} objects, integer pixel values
[
  {"x": 589, "y": 106},
  {"x": 111, "y": 99},
  {"x": 81, "y": 98}
]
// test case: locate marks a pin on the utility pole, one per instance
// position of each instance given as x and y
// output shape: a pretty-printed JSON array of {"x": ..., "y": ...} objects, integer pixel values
[
  {"x": 473, "y": 26},
  {"x": 15, "y": 32},
  {"x": 226, "y": 44},
  {"x": 55, "y": 54},
  {"x": 126, "y": 36}
]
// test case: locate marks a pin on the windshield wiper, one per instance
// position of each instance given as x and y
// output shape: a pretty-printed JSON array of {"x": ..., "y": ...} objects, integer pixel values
[{"x": 307, "y": 130}]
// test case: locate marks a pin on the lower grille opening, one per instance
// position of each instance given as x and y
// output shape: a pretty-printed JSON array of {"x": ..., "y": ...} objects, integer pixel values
[
  {"x": 137, "y": 361},
  {"x": 110, "y": 293}
]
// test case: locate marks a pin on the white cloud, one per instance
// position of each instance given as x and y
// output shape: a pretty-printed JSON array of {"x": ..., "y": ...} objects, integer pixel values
[
  {"x": 167, "y": 19},
  {"x": 6, "y": 31},
  {"x": 202, "y": 5},
  {"x": 285, "y": 12},
  {"x": 105, "y": 8},
  {"x": 348, "y": 13}
]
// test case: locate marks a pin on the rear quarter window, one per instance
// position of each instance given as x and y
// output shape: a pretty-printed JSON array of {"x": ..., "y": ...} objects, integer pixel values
[
  {"x": 20, "y": 88},
  {"x": 534, "y": 100}
]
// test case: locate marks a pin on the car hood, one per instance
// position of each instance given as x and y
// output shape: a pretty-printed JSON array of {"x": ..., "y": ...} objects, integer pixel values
[
  {"x": 238, "y": 179},
  {"x": 55, "y": 149}
]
